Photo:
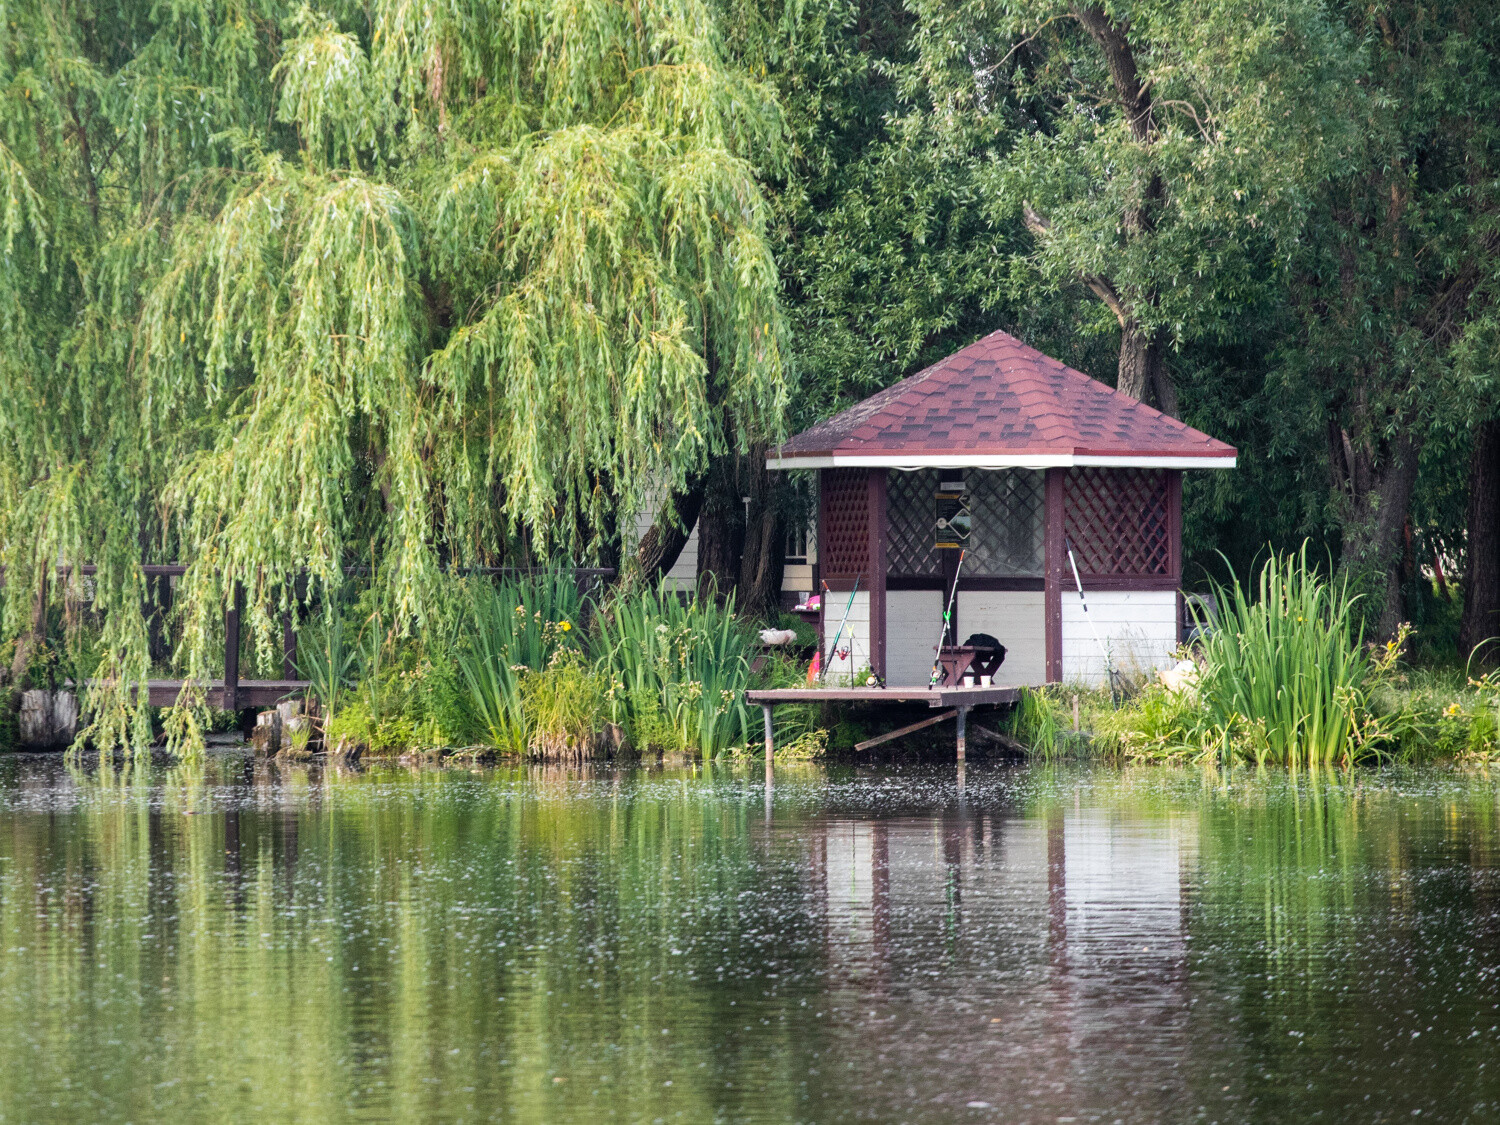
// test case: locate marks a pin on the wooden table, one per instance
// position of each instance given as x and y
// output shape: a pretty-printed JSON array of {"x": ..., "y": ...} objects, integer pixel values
[{"x": 960, "y": 660}]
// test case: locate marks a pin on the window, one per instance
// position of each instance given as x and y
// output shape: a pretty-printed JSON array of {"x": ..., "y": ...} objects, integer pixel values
[{"x": 796, "y": 543}]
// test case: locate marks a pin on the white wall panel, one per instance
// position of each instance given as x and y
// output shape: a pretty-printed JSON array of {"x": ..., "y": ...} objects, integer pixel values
[
  {"x": 913, "y": 619},
  {"x": 1018, "y": 620},
  {"x": 855, "y": 639},
  {"x": 1138, "y": 626}
]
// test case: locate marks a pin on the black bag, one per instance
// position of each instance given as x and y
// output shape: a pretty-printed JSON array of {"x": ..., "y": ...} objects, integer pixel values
[{"x": 984, "y": 640}]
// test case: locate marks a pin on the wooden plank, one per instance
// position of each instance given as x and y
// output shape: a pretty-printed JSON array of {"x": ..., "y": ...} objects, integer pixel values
[
  {"x": 899, "y": 731},
  {"x": 933, "y": 697},
  {"x": 252, "y": 694}
]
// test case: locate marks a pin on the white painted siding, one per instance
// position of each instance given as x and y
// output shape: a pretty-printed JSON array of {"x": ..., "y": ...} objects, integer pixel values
[
  {"x": 1139, "y": 626},
  {"x": 913, "y": 619},
  {"x": 855, "y": 638},
  {"x": 797, "y": 578},
  {"x": 1018, "y": 620},
  {"x": 685, "y": 570}
]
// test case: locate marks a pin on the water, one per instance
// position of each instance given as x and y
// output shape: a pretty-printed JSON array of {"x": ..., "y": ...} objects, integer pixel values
[{"x": 241, "y": 943}]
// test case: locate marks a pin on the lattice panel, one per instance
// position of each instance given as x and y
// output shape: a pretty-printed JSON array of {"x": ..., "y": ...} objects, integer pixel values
[
  {"x": 1009, "y": 537},
  {"x": 1118, "y": 520},
  {"x": 909, "y": 524},
  {"x": 844, "y": 534}
]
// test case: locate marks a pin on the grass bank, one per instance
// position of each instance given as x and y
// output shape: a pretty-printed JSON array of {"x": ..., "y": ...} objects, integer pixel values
[
  {"x": 532, "y": 666},
  {"x": 1282, "y": 675}
]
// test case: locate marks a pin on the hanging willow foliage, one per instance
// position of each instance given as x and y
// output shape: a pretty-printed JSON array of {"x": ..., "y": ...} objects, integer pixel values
[{"x": 286, "y": 289}]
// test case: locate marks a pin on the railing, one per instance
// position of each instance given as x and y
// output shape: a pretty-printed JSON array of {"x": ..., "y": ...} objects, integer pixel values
[{"x": 234, "y": 694}]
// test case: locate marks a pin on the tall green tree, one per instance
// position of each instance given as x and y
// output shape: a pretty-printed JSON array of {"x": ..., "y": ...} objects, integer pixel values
[
  {"x": 290, "y": 288},
  {"x": 1394, "y": 283},
  {"x": 1159, "y": 152}
]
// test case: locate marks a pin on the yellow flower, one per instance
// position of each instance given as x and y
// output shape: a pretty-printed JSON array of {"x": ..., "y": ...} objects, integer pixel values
[{"x": 564, "y": 626}]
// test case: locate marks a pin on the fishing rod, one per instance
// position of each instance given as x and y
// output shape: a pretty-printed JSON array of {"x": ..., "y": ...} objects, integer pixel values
[
  {"x": 834, "y": 648},
  {"x": 1109, "y": 664},
  {"x": 937, "y": 659}
]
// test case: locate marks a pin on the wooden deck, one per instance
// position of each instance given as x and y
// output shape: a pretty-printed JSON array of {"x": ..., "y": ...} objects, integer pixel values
[{"x": 934, "y": 697}]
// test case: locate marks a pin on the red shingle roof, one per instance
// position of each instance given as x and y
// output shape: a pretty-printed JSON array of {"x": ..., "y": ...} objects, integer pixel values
[{"x": 1000, "y": 402}]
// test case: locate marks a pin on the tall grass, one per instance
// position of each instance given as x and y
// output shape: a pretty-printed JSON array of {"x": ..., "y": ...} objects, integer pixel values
[
  {"x": 329, "y": 662},
  {"x": 1286, "y": 674},
  {"x": 513, "y": 632},
  {"x": 678, "y": 668}
]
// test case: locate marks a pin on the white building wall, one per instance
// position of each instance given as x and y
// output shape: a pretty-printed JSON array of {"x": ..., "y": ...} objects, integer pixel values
[
  {"x": 685, "y": 570},
  {"x": 854, "y": 641},
  {"x": 797, "y": 579},
  {"x": 1015, "y": 618},
  {"x": 1138, "y": 626},
  {"x": 913, "y": 619}
]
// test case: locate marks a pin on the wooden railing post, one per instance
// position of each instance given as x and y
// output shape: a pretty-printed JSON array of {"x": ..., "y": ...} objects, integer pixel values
[{"x": 231, "y": 701}]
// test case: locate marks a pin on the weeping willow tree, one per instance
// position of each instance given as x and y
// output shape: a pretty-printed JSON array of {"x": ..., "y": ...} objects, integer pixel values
[{"x": 286, "y": 289}]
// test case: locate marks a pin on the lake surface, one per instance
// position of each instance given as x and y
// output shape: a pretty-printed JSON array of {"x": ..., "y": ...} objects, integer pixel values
[{"x": 240, "y": 942}]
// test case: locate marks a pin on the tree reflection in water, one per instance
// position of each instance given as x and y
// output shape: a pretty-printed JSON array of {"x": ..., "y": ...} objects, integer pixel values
[{"x": 260, "y": 942}]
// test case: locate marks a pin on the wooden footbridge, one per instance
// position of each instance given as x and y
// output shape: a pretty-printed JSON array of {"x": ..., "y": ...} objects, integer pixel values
[{"x": 231, "y": 693}]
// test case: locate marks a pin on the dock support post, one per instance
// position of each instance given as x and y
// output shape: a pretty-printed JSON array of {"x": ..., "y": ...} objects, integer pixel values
[
  {"x": 959, "y": 719},
  {"x": 770, "y": 745},
  {"x": 231, "y": 700}
]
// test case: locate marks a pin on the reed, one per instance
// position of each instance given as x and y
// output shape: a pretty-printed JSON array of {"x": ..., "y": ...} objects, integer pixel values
[
  {"x": 678, "y": 668},
  {"x": 329, "y": 663},
  {"x": 513, "y": 632},
  {"x": 1286, "y": 674}
]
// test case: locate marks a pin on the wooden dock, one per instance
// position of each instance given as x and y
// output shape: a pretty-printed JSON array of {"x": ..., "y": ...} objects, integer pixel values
[{"x": 957, "y": 699}]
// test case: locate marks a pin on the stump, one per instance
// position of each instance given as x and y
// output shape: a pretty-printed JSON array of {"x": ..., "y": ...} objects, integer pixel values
[
  {"x": 47, "y": 718},
  {"x": 266, "y": 737}
]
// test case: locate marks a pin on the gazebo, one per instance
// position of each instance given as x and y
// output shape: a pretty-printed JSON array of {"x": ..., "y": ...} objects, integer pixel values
[{"x": 1009, "y": 457}]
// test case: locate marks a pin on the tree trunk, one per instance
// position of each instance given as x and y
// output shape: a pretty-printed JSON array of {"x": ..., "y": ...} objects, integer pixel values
[
  {"x": 764, "y": 559},
  {"x": 32, "y": 640},
  {"x": 1377, "y": 501},
  {"x": 721, "y": 527},
  {"x": 1143, "y": 371},
  {"x": 660, "y": 547},
  {"x": 1481, "y": 617}
]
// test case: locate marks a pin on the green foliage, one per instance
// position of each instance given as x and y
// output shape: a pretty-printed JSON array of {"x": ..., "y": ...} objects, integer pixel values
[
  {"x": 512, "y": 637},
  {"x": 678, "y": 668},
  {"x": 563, "y": 706},
  {"x": 1038, "y": 720},
  {"x": 328, "y": 661},
  {"x": 1440, "y": 714},
  {"x": 409, "y": 702},
  {"x": 288, "y": 289},
  {"x": 1287, "y": 672}
]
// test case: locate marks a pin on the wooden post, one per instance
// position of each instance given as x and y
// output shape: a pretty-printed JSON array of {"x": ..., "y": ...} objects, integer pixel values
[
  {"x": 770, "y": 758},
  {"x": 288, "y": 648},
  {"x": 959, "y": 719},
  {"x": 231, "y": 700},
  {"x": 876, "y": 497},
  {"x": 1055, "y": 552}
]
